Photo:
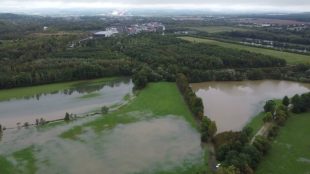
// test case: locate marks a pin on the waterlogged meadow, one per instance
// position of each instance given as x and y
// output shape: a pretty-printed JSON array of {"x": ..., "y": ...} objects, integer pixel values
[
  {"x": 153, "y": 133},
  {"x": 53, "y": 101}
]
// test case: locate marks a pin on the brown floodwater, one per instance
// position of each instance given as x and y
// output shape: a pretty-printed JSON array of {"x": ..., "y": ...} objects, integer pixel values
[
  {"x": 233, "y": 104},
  {"x": 78, "y": 99}
]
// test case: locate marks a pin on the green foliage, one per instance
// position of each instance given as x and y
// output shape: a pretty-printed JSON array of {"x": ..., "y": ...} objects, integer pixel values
[
  {"x": 285, "y": 101},
  {"x": 67, "y": 117},
  {"x": 268, "y": 117},
  {"x": 104, "y": 110},
  {"x": 256, "y": 74},
  {"x": 228, "y": 170},
  {"x": 195, "y": 103},
  {"x": 262, "y": 144},
  {"x": 270, "y": 106},
  {"x": 208, "y": 129},
  {"x": 301, "y": 103},
  {"x": 291, "y": 58}
]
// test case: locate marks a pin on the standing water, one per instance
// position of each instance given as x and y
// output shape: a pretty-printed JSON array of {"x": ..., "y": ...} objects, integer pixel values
[
  {"x": 233, "y": 104},
  {"x": 79, "y": 98}
]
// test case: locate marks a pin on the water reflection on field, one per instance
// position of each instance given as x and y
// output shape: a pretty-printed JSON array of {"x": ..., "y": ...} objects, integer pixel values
[
  {"x": 232, "y": 104},
  {"x": 80, "y": 98},
  {"x": 150, "y": 145}
]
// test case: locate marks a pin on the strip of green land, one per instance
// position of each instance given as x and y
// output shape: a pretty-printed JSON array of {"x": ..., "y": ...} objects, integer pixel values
[
  {"x": 291, "y": 58},
  {"x": 6, "y": 94}
]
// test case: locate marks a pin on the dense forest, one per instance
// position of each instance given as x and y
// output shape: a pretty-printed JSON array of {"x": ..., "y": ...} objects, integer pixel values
[
  {"x": 34, "y": 56},
  {"x": 47, "y": 59}
]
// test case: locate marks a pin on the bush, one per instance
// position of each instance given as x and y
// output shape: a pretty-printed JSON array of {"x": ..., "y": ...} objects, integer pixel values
[
  {"x": 270, "y": 106},
  {"x": 104, "y": 110},
  {"x": 67, "y": 117}
]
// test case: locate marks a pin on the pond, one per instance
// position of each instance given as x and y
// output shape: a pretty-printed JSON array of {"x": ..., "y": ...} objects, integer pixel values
[
  {"x": 233, "y": 104},
  {"x": 79, "y": 98}
]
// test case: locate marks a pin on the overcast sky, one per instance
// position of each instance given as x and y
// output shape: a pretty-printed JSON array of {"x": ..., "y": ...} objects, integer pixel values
[{"x": 215, "y": 5}]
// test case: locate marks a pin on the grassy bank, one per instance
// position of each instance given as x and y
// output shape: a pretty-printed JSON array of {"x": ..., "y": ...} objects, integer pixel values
[
  {"x": 291, "y": 58},
  {"x": 6, "y": 94},
  {"x": 290, "y": 150},
  {"x": 256, "y": 123}
]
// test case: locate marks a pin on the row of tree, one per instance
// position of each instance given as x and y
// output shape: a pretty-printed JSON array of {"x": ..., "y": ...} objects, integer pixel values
[{"x": 194, "y": 103}]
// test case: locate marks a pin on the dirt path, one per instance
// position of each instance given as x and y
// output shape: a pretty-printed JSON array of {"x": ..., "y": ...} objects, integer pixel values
[
  {"x": 262, "y": 131},
  {"x": 212, "y": 162}
]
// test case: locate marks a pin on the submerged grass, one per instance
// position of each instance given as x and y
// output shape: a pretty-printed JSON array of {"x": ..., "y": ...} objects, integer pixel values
[
  {"x": 160, "y": 99},
  {"x": 6, "y": 166},
  {"x": 26, "y": 161},
  {"x": 291, "y": 58},
  {"x": 290, "y": 152}
]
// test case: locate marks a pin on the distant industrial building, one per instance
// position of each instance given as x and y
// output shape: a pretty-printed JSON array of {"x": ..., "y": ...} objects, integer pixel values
[{"x": 109, "y": 32}]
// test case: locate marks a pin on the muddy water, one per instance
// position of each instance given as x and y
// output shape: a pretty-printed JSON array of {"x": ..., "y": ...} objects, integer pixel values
[
  {"x": 233, "y": 104},
  {"x": 146, "y": 146},
  {"x": 78, "y": 99}
]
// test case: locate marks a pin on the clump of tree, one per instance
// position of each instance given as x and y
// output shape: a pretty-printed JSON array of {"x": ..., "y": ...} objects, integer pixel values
[
  {"x": 268, "y": 117},
  {"x": 301, "y": 103},
  {"x": 262, "y": 144},
  {"x": 276, "y": 113},
  {"x": 208, "y": 129},
  {"x": 270, "y": 106},
  {"x": 195, "y": 103},
  {"x": 286, "y": 101},
  {"x": 235, "y": 152},
  {"x": 104, "y": 110},
  {"x": 67, "y": 117},
  {"x": 145, "y": 75}
]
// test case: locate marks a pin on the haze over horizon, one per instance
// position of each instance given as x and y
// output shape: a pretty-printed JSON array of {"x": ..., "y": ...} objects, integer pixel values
[{"x": 210, "y": 5}]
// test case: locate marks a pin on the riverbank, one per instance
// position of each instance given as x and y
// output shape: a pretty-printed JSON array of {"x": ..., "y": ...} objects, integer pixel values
[{"x": 24, "y": 92}]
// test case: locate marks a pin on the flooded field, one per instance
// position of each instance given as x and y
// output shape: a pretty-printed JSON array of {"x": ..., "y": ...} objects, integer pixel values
[
  {"x": 233, "y": 104},
  {"x": 144, "y": 136},
  {"x": 79, "y": 98},
  {"x": 140, "y": 147}
]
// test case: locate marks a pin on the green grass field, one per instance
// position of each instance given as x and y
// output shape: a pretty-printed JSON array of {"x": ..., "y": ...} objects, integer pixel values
[
  {"x": 6, "y": 94},
  {"x": 218, "y": 29},
  {"x": 290, "y": 152},
  {"x": 256, "y": 123},
  {"x": 291, "y": 58},
  {"x": 160, "y": 99}
]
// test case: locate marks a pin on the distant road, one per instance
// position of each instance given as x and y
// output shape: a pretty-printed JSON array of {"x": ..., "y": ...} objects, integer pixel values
[{"x": 291, "y": 58}]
